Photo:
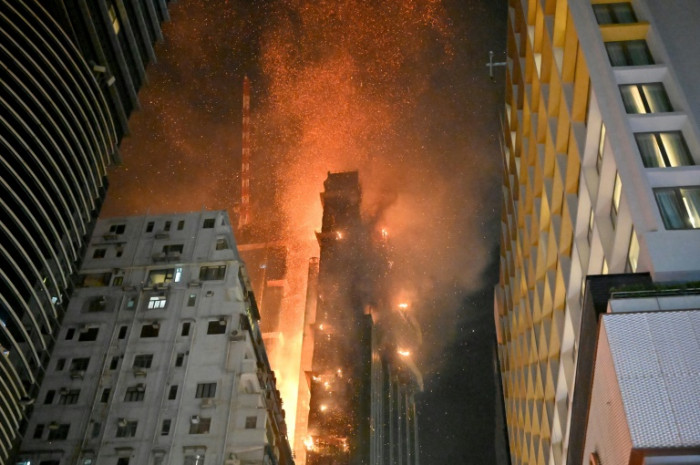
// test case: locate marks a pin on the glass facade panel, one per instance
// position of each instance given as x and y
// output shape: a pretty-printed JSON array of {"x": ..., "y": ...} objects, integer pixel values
[
  {"x": 679, "y": 207},
  {"x": 645, "y": 98},
  {"x": 663, "y": 149}
]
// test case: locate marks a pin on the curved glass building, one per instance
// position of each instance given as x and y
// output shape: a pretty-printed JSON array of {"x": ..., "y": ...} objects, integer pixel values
[{"x": 59, "y": 130}]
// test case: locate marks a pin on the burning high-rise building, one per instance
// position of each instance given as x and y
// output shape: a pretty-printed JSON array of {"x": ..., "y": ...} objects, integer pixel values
[{"x": 362, "y": 382}]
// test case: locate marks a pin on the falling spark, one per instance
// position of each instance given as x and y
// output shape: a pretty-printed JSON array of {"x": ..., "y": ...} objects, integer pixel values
[
  {"x": 403, "y": 305},
  {"x": 323, "y": 407},
  {"x": 403, "y": 353}
]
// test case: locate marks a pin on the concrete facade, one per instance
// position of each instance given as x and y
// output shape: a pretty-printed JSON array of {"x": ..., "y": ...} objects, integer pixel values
[{"x": 160, "y": 358}]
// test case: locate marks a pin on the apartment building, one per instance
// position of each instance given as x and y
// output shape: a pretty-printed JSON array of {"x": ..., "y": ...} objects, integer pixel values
[
  {"x": 600, "y": 178},
  {"x": 160, "y": 358}
]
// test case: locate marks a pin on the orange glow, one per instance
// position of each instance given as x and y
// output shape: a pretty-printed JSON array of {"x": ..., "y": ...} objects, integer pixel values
[
  {"x": 403, "y": 305},
  {"x": 403, "y": 353},
  {"x": 323, "y": 407},
  {"x": 339, "y": 235},
  {"x": 385, "y": 233},
  {"x": 309, "y": 443}
]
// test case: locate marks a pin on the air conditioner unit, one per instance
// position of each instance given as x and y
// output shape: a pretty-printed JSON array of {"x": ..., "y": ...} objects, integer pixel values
[
  {"x": 110, "y": 237},
  {"x": 236, "y": 336},
  {"x": 162, "y": 235},
  {"x": 195, "y": 283},
  {"x": 77, "y": 374},
  {"x": 63, "y": 391},
  {"x": 207, "y": 402},
  {"x": 194, "y": 419},
  {"x": 222, "y": 321},
  {"x": 53, "y": 425},
  {"x": 140, "y": 387},
  {"x": 155, "y": 325},
  {"x": 121, "y": 422},
  {"x": 139, "y": 372}
]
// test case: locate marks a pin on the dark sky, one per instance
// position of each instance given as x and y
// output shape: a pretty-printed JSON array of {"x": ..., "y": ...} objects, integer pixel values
[{"x": 395, "y": 88}]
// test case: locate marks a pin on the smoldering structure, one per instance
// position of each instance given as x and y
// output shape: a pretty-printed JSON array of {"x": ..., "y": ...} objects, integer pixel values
[{"x": 361, "y": 378}]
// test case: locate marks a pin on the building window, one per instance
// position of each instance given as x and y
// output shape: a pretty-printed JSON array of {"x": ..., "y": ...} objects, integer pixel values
[
  {"x": 209, "y": 223},
  {"x": 165, "y": 428},
  {"x": 122, "y": 332},
  {"x": 591, "y": 223},
  {"x": 614, "y": 13},
  {"x": 114, "y": 363},
  {"x": 126, "y": 429},
  {"x": 629, "y": 53},
  {"x": 96, "y": 428},
  {"x": 123, "y": 461},
  {"x": 114, "y": 18},
  {"x": 99, "y": 253},
  {"x": 50, "y": 394},
  {"x": 58, "y": 431},
  {"x": 143, "y": 361},
  {"x": 205, "y": 390},
  {"x": 679, "y": 206},
  {"x": 251, "y": 422},
  {"x": 221, "y": 243},
  {"x": 161, "y": 276},
  {"x": 70, "y": 332},
  {"x": 191, "y": 300},
  {"x": 197, "y": 459},
  {"x": 97, "y": 304},
  {"x": 173, "y": 249},
  {"x": 117, "y": 228},
  {"x": 212, "y": 273},
  {"x": 217, "y": 326},
  {"x": 38, "y": 431},
  {"x": 105, "y": 395},
  {"x": 149, "y": 226},
  {"x": 172, "y": 393},
  {"x": 645, "y": 98},
  {"x": 180, "y": 225},
  {"x": 157, "y": 301},
  {"x": 185, "y": 329},
  {"x": 135, "y": 393},
  {"x": 60, "y": 364},
  {"x": 601, "y": 147},
  {"x": 199, "y": 425},
  {"x": 79, "y": 364},
  {"x": 131, "y": 303},
  {"x": 663, "y": 149},
  {"x": 615, "y": 204},
  {"x": 632, "y": 254},
  {"x": 166, "y": 227},
  {"x": 69, "y": 396},
  {"x": 118, "y": 280},
  {"x": 88, "y": 335},
  {"x": 179, "y": 360},
  {"x": 150, "y": 330}
]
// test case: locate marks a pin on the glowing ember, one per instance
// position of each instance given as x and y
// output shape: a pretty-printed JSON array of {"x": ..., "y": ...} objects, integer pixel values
[
  {"x": 309, "y": 443},
  {"x": 403, "y": 305},
  {"x": 339, "y": 235},
  {"x": 323, "y": 407},
  {"x": 320, "y": 327},
  {"x": 385, "y": 233},
  {"x": 403, "y": 353}
]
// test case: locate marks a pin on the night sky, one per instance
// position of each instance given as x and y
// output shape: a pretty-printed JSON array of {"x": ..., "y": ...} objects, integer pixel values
[{"x": 396, "y": 89}]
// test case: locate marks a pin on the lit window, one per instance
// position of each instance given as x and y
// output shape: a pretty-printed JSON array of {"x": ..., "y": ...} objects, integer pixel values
[
  {"x": 157, "y": 301},
  {"x": 601, "y": 147},
  {"x": 614, "y": 13},
  {"x": 131, "y": 303},
  {"x": 178, "y": 275},
  {"x": 663, "y": 149},
  {"x": 191, "y": 300},
  {"x": 604, "y": 269},
  {"x": 679, "y": 206},
  {"x": 629, "y": 53},
  {"x": 632, "y": 254},
  {"x": 645, "y": 98},
  {"x": 114, "y": 19},
  {"x": 591, "y": 223},
  {"x": 205, "y": 390},
  {"x": 161, "y": 276}
]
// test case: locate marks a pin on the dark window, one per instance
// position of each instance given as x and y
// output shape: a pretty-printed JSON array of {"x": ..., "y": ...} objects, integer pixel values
[
  {"x": 663, "y": 149},
  {"x": 114, "y": 363},
  {"x": 221, "y": 244},
  {"x": 150, "y": 330},
  {"x": 645, "y": 98},
  {"x": 123, "y": 461},
  {"x": 58, "y": 432},
  {"x": 119, "y": 253},
  {"x": 149, "y": 226},
  {"x": 99, "y": 253},
  {"x": 165, "y": 428},
  {"x": 60, "y": 364},
  {"x": 172, "y": 393},
  {"x": 209, "y": 223},
  {"x": 629, "y": 53},
  {"x": 212, "y": 273},
  {"x": 96, "y": 428},
  {"x": 180, "y": 225},
  {"x": 126, "y": 429},
  {"x": 679, "y": 206},
  {"x": 199, "y": 425},
  {"x": 49, "y": 396},
  {"x": 70, "y": 333},
  {"x": 122, "y": 332},
  {"x": 38, "y": 431},
  {"x": 69, "y": 396},
  {"x": 191, "y": 300},
  {"x": 185, "y": 329},
  {"x": 105, "y": 395},
  {"x": 205, "y": 390},
  {"x": 88, "y": 335},
  {"x": 166, "y": 227},
  {"x": 143, "y": 361},
  {"x": 173, "y": 249},
  {"x": 97, "y": 304},
  {"x": 614, "y": 13},
  {"x": 117, "y": 228},
  {"x": 135, "y": 393},
  {"x": 216, "y": 327},
  {"x": 179, "y": 360},
  {"x": 79, "y": 364},
  {"x": 251, "y": 422}
]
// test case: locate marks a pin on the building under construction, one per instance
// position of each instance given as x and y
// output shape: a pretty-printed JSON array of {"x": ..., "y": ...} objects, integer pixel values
[{"x": 361, "y": 409}]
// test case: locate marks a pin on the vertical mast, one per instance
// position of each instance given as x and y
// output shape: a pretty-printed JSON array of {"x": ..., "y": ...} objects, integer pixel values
[{"x": 244, "y": 217}]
